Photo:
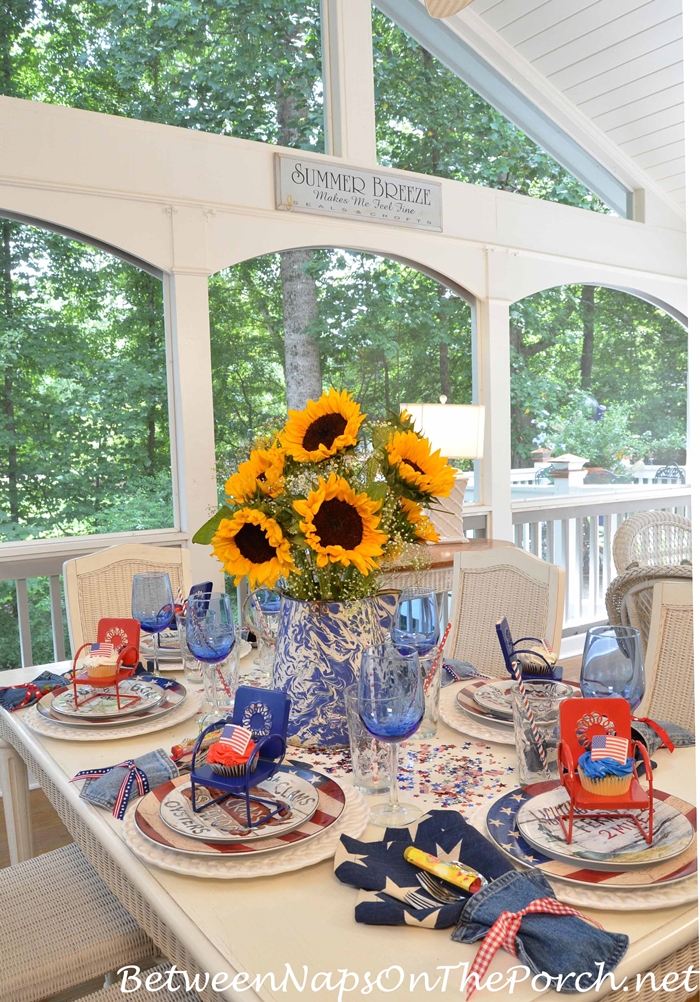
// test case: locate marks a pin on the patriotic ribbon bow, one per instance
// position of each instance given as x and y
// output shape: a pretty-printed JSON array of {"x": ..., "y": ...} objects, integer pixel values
[
  {"x": 133, "y": 775},
  {"x": 31, "y": 693},
  {"x": 505, "y": 929},
  {"x": 665, "y": 739}
]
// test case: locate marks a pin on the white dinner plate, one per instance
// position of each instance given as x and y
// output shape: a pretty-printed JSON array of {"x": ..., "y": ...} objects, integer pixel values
[
  {"x": 496, "y": 698},
  {"x": 103, "y": 705}
]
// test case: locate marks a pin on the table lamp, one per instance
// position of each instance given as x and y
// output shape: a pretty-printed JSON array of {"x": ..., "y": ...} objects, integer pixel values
[{"x": 457, "y": 430}]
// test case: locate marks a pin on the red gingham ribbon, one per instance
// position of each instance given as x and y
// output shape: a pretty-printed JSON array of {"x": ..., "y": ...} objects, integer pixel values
[
  {"x": 665, "y": 739},
  {"x": 31, "y": 693},
  {"x": 505, "y": 929}
]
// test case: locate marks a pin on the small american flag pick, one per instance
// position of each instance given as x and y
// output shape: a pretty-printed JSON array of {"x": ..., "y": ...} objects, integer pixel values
[
  {"x": 104, "y": 649},
  {"x": 607, "y": 746},
  {"x": 236, "y": 737}
]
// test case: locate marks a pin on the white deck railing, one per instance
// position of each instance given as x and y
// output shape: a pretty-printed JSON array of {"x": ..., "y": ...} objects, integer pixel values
[
  {"x": 574, "y": 531},
  {"x": 577, "y": 534}
]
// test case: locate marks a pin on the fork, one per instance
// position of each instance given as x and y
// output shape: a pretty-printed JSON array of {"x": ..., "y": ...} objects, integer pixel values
[
  {"x": 445, "y": 895},
  {"x": 417, "y": 900}
]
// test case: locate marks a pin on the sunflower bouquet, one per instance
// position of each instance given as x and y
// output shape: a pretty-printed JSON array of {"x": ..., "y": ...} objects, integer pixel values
[{"x": 324, "y": 502}]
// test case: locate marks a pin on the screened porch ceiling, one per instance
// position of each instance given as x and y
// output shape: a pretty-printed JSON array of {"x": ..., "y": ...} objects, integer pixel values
[{"x": 609, "y": 72}]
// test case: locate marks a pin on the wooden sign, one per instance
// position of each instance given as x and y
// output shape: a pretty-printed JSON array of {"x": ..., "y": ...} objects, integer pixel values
[{"x": 356, "y": 193}]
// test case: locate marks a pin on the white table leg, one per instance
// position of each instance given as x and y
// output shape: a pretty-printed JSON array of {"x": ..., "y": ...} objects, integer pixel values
[{"x": 14, "y": 784}]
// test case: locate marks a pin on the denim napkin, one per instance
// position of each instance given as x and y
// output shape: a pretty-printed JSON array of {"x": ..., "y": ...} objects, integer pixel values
[
  {"x": 156, "y": 766},
  {"x": 547, "y": 944},
  {"x": 455, "y": 671},
  {"x": 386, "y": 880},
  {"x": 680, "y": 737},
  {"x": 14, "y": 697}
]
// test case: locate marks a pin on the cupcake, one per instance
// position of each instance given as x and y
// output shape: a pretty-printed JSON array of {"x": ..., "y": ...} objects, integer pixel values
[
  {"x": 606, "y": 769},
  {"x": 101, "y": 661},
  {"x": 229, "y": 755}
]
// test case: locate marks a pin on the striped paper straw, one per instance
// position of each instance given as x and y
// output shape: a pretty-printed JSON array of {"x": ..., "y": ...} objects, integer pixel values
[
  {"x": 433, "y": 667},
  {"x": 530, "y": 716}
]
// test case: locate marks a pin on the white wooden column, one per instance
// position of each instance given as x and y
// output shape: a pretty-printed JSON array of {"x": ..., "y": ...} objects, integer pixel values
[
  {"x": 191, "y": 403},
  {"x": 348, "y": 79},
  {"x": 493, "y": 381}
]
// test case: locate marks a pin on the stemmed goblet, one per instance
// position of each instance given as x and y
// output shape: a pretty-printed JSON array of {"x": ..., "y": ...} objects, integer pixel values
[
  {"x": 390, "y": 703},
  {"x": 211, "y": 635},
  {"x": 152, "y": 604},
  {"x": 261, "y": 611}
]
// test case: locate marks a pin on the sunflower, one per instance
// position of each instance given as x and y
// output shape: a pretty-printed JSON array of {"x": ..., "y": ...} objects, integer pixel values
[
  {"x": 262, "y": 470},
  {"x": 323, "y": 428},
  {"x": 253, "y": 544},
  {"x": 420, "y": 468},
  {"x": 340, "y": 525},
  {"x": 423, "y": 528}
]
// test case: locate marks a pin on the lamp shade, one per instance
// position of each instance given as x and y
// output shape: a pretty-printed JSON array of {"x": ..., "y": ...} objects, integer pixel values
[{"x": 457, "y": 430}]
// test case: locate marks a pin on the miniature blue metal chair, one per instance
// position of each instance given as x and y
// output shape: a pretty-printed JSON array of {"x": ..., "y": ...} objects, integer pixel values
[{"x": 265, "y": 712}]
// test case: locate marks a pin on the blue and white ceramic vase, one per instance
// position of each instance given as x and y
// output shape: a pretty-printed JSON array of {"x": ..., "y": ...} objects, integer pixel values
[{"x": 317, "y": 656}]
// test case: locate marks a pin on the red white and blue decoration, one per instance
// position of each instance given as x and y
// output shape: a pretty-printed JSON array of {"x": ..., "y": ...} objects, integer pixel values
[{"x": 607, "y": 746}]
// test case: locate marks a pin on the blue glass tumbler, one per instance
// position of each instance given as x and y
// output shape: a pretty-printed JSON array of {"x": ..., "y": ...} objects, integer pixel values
[{"x": 612, "y": 664}]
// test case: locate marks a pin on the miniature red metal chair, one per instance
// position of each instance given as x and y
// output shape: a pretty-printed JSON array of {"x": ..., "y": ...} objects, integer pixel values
[
  {"x": 581, "y": 720},
  {"x": 123, "y": 635}
]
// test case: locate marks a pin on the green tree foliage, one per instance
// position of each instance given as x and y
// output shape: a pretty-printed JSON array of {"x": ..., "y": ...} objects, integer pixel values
[
  {"x": 637, "y": 369},
  {"x": 429, "y": 120}
]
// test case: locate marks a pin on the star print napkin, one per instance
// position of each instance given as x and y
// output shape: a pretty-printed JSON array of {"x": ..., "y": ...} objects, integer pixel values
[{"x": 389, "y": 892}]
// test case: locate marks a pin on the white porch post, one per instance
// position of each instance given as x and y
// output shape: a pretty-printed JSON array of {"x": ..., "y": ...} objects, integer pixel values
[
  {"x": 493, "y": 380},
  {"x": 191, "y": 407},
  {"x": 348, "y": 79}
]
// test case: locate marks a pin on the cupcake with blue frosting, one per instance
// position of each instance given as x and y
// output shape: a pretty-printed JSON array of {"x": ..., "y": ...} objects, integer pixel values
[{"x": 606, "y": 768}]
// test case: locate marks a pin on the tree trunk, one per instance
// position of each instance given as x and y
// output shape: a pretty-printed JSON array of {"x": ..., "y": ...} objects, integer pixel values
[
  {"x": 8, "y": 406},
  {"x": 588, "y": 320},
  {"x": 387, "y": 393},
  {"x": 445, "y": 371},
  {"x": 302, "y": 364}
]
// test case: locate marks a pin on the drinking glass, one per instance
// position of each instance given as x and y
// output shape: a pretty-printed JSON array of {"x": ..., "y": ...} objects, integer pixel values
[
  {"x": 152, "y": 604},
  {"x": 370, "y": 758},
  {"x": 416, "y": 623},
  {"x": 390, "y": 703},
  {"x": 211, "y": 637},
  {"x": 612, "y": 664},
  {"x": 536, "y": 729},
  {"x": 261, "y": 613}
]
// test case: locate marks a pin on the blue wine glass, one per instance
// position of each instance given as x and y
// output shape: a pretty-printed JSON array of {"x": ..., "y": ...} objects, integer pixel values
[
  {"x": 612, "y": 664},
  {"x": 210, "y": 631},
  {"x": 152, "y": 604},
  {"x": 390, "y": 703},
  {"x": 415, "y": 624}
]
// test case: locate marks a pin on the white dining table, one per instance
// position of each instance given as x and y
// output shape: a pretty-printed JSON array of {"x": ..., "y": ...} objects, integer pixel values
[{"x": 303, "y": 918}]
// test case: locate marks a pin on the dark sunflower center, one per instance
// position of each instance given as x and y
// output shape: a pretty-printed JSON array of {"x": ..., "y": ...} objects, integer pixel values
[
  {"x": 324, "y": 431},
  {"x": 261, "y": 476},
  {"x": 338, "y": 524},
  {"x": 414, "y": 466},
  {"x": 252, "y": 542}
]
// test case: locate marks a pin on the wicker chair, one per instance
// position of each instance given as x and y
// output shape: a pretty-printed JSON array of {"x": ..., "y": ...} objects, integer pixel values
[
  {"x": 142, "y": 994},
  {"x": 630, "y": 596},
  {"x": 61, "y": 927},
  {"x": 100, "y": 584},
  {"x": 505, "y": 582},
  {"x": 669, "y": 693},
  {"x": 652, "y": 538}
]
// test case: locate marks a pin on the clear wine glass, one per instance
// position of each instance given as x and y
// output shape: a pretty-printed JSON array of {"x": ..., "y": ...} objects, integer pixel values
[
  {"x": 612, "y": 664},
  {"x": 415, "y": 623},
  {"x": 211, "y": 635},
  {"x": 390, "y": 703},
  {"x": 152, "y": 604},
  {"x": 261, "y": 611}
]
